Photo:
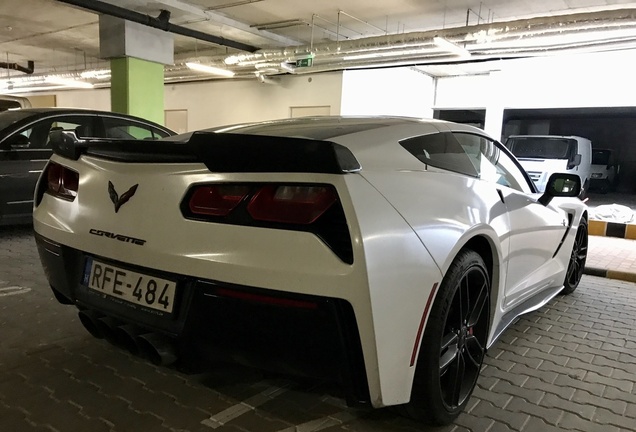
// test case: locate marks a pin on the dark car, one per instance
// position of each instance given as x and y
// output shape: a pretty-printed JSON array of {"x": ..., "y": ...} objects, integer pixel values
[{"x": 25, "y": 147}]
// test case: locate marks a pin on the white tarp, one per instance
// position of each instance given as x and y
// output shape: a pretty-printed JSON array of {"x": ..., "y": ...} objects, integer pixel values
[{"x": 612, "y": 213}]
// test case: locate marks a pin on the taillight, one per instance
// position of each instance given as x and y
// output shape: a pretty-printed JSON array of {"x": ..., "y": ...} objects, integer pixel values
[
  {"x": 216, "y": 200},
  {"x": 61, "y": 181},
  {"x": 291, "y": 204},
  {"x": 313, "y": 208},
  {"x": 267, "y": 299}
]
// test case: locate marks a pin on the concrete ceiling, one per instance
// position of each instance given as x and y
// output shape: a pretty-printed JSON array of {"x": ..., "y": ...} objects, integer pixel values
[{"x": 62, "y": 38}]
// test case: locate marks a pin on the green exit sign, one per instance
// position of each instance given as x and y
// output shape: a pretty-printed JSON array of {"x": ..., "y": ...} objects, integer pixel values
[{"x": 306, "y": 62}]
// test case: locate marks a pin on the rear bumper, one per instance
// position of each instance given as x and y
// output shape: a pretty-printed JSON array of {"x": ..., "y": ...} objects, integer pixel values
[{"x": 278, "y": 331}]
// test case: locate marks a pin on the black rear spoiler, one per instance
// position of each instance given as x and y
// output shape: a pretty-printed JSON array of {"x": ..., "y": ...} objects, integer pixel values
[{"x": 222, "y": 152}]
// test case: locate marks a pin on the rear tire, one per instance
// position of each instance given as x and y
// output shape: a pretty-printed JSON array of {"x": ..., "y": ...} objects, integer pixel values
[
  {"x": 577, "y": 260},
  {"x": 454, "y": 343}
]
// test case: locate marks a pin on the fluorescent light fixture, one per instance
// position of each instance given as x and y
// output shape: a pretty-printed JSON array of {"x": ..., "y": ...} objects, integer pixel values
[
  {"x": 280, "y": 24},
  {"x": 99, "y": 73},
  {"x": 266, "y": 65},
  {"x": 554, "y": 39},
  {"x": 288, "y": 67},
  {"x": 210, "y": 69},
  {"x": 442, "y": 43},
  {"x": 232, "y": 60},
  {"x": 68, "y": 82},
  {"x": 26, "y": 90},
  {"x": 387, "y": 53}
]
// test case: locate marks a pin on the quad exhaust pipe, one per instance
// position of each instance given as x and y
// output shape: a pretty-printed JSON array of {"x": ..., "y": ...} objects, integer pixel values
[{"x": 154, "y": 347}]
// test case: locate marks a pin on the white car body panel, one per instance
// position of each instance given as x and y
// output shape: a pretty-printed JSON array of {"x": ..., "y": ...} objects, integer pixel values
[
  {"x": 280, "y": 260},
  {"x": 403, "y": 243}
]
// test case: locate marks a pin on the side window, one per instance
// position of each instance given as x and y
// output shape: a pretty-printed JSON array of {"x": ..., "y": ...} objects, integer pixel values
[
  {"x": 441, "y": 150},
  {"x": 127, "y": 129},
  {"x": 17, "y": 141},
  {"x": 492, "y": 163},
  {"x": 38, "y": 135}
]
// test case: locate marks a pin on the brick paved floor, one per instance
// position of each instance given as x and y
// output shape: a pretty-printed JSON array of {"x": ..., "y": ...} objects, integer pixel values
[
  {"x": 612, "y": 253},
  {"x": 569, "y": 366}
]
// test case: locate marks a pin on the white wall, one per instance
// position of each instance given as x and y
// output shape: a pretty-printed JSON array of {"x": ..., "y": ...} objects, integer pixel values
[
  {"x": 583, "y": 80},
  {"x": 215, "y": 103},
  {"x": 391, "y": 91},
  {"x": 464, "y": 92},
  {"x": 98, "y": 99}
]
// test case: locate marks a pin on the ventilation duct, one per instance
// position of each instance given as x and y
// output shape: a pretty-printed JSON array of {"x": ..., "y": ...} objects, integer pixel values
[{"x": 599, "y": 31}]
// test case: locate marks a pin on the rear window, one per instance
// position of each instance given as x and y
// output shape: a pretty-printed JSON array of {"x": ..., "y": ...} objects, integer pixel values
[
  {"x": 542, "y": 147},
  {"x": 7, "y": 118}
]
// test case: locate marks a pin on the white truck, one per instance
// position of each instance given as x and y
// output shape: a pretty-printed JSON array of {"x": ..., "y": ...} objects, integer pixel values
[
  {"x": 604, "y": 170},
  {"x": 543, "y": 155}
]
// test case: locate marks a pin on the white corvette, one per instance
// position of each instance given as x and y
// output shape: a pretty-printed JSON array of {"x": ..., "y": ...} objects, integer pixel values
[{"x": 385, "y": 253}]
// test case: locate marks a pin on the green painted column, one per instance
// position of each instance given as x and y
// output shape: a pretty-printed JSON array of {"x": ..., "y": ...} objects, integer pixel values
[{"x": 137, "y": 88}]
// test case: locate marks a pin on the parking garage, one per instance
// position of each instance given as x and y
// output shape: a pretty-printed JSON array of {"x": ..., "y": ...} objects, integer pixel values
[{"x": 568, "y": 365}]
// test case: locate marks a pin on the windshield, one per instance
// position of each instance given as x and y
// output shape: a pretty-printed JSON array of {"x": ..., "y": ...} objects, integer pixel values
[
  {"x": 542, "y": 147},
  {"x": 7, "y": 118}
]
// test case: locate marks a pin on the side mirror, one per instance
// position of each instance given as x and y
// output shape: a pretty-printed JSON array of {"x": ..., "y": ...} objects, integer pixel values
[
  {"x": 16, "y": 141},
  {"x": 576, "y": 161},
  {"x": 561, "y": 185}
]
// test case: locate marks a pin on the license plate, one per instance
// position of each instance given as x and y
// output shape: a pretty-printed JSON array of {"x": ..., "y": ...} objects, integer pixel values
[{"x": 138, "y": 288}]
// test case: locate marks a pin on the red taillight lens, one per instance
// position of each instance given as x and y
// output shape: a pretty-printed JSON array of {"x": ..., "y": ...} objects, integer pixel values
[
  {"x": 269, "y": 300},
  {"x": 216, "y": 200},
  {"x": 291, "y": 204},
  {"x": 62, "y": 182}
]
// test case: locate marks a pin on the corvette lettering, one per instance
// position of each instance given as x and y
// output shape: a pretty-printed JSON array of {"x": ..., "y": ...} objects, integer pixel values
[{"x": 120, "y": 237}]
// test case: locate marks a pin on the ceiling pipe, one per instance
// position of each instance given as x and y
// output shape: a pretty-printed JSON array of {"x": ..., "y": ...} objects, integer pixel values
[
  {"x": 417, "y": 49},
  {"x": 162, "y": 22},
  {"x": 14, "y": 66},
  {"x": 470, "y": 37}
]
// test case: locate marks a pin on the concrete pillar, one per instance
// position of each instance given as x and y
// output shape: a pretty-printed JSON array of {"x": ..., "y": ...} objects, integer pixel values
[
  {"x": 137, "y": 54},
  {"x": 136, "y": 87}
]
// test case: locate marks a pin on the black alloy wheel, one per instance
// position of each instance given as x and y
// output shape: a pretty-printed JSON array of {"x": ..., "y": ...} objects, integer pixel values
[
  {"x": 463, "y": 344},
  {"x": 577, "y": 260},
  {"x": 454, "y": 343}
]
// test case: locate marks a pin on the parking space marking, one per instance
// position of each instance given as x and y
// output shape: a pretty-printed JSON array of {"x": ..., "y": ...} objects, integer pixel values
[
  {"x": 245, "y": 406},
  {"x": 13, "y": 290},
  {"x": 323, "y": 423}
]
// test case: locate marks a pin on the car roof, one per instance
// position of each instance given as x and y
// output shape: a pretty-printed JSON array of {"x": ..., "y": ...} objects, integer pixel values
[
  {"x": 548, "y": 136},
  {"x": 13, "y": 118},
  {"x": 359, "y": 134},
  {"x": 68, "y": 110},
  {"x": 321, "y": 128},
  {"x": 317, "y": 128}
]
